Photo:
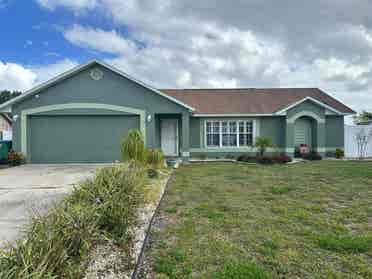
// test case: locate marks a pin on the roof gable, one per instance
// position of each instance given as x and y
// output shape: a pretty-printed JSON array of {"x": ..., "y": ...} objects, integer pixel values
[
  {"x": 311, "y": 99},
  {"x": 5, "y": 107}
]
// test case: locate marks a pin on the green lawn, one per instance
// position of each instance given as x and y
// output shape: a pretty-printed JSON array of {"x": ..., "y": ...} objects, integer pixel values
[{"x": 311, "y": 220}]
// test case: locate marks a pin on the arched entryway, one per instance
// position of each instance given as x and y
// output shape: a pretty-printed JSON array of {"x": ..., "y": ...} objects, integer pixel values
[
  {"x": 305, "y": 132},
  {"x": 305, "y": 127}
]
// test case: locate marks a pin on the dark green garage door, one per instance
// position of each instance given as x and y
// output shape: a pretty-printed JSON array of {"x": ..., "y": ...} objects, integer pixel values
[{"x": 78, "y": 138}]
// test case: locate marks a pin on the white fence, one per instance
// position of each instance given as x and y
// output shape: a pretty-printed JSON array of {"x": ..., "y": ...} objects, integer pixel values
[{"x": 351, "y": 146}]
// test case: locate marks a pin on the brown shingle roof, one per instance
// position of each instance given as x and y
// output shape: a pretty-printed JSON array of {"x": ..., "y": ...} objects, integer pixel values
[{"x": 250, "y": 100}]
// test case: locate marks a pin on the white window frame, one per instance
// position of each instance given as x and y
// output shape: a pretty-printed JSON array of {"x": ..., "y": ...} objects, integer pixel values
[
  {"x": 254, "y": 132},
  {"x": 212, "y": 133},
  {"x": 246, "y": 132}
]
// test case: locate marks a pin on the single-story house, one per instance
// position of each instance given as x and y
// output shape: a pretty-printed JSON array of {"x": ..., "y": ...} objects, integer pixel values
[
  {"x": 83, "y": 114},
  {"x": 5, "y": 125}
]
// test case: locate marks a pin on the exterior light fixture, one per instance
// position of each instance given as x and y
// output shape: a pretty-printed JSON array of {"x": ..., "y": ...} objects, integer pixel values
[{"x": 149, "y": 118}]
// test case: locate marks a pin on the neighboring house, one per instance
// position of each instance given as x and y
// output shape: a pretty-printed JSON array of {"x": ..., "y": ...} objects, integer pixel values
[
  {"x": 5, "y": 125},
  {"x": 83, "y": 114}
]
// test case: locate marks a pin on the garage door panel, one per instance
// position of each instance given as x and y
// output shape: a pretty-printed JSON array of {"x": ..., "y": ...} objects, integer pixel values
[{"x": 78, "y": 138}]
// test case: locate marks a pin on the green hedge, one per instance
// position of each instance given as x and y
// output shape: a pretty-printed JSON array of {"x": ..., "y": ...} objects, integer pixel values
[{"x": 57, "y": 244}]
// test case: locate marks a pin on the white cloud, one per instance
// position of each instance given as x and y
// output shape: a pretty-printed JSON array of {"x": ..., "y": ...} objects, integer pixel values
[
  {"x": 211, "y": 57},
  {"x": 75, "y": 5},
  {"x": 97, "y": 39},
  {"x": 46, "y": 72},
  {"x": 15, "y": 77},
  {"x": 21, "y": 78}
]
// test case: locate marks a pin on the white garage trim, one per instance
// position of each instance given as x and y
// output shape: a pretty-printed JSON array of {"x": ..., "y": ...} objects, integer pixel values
[
  {"x": 26, "y": 113},
  {"x": 306, "y": 113}
]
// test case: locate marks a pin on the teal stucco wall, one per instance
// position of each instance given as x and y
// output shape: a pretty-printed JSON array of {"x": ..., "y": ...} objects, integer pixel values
[
  {"x": 113, "y": 89},
  {"x": 334, "y": 134}
]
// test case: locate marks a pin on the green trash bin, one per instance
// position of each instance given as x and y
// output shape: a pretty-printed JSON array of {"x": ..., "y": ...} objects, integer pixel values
[{"x": 5, "y": 147}]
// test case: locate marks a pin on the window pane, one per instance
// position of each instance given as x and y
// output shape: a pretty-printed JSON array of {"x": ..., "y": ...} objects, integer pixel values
[
  {"x": 209, "y": 140},
  {"x": 249, "y": 139},
  {"x": 225, "y": 139},
  {"x": 216, "y": 127},
  {"x": 209, "y": 127},
  {"x": 213, "y": 140},
  {"x": 224, "y": 127},
  {"x": 241, "y": 127},
  {"x": 242, "y": 140},
  {"x": 232, "y": 127},
  {"x": 232, "y": 140},
  {"x": 249, "y": 127},
  {"x": 216, "y": 140}
]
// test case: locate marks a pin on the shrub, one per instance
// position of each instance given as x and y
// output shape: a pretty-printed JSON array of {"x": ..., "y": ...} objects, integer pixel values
[
  {"x": 312, "y": 156},
  {"x": 241, "y": 271},
  {"x": 262, "y": 143},
  {"x": 265, "y": 160},
  {"x": 247, "y": 158},
  {"x": 339, "y": 153},
  {"x": 56, "y": 244},
  {"x": 283, "y": 159},
  {"x": 297, "y": 153},
  {"x": 155, "y": 158},
  {"x": 203, "y": 156},
  {"x": 15, "y": 158},
  {"x": 133, "y": 147}
]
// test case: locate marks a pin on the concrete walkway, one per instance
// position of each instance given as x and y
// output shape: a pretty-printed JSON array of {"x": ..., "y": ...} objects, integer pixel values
[{"x": 34, "y": 188}]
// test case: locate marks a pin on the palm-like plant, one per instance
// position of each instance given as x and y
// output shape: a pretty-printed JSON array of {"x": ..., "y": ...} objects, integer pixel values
[
  {"x": 262, "y": 143},
  {"x": 133, "y": 147}
]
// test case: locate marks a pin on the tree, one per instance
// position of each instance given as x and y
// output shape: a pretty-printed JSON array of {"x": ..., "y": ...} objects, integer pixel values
[
  {"x": 262, "y": 143},
  {"x": 364, "y": 116},
  {"x": 363, "y": 138},
  {"x": 6, "y": 95}
]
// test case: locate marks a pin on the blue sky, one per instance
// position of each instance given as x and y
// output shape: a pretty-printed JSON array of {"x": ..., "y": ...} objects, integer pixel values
[
  {"x": 197, "y": 44},
  {"x": 32, "y": 34}
]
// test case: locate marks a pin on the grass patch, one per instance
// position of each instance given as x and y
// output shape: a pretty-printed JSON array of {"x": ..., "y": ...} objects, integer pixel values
[
  {"x": 347, "y": 244},
  {"x": 57, "y": 244},
  {"x": 241, "y": 271},
  {"x": 280, "y": 190},
  {"x": 172, "y": 264},
  {"x": 230, "y": 214}
]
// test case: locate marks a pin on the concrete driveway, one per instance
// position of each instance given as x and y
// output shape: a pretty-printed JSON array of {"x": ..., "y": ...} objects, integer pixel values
[{"x": 30, "y": 188}]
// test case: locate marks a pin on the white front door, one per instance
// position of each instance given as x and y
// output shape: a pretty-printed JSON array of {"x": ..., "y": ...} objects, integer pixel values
[{"x": 169, "y": 137}]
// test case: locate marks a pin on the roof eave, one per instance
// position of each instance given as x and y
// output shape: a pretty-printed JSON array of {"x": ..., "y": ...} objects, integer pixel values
[{"x": 284, "y": 110}]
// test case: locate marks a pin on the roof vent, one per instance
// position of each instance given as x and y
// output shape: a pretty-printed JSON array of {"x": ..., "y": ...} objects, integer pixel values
[{"x": 96, "y": 74}]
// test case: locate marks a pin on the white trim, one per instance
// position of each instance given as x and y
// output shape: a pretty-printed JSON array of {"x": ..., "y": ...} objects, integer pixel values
[
  {"x": 283, "y": 111},
  {"x": 232, "y": 115},
  {"x": 255, "y": 133},
  {"x": 26, "y": 113},
  {"x": 235, "y": 149},
  {"x": 305, "y": 113},
  {"x": 80, "y": 68}
]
